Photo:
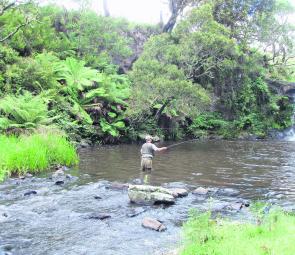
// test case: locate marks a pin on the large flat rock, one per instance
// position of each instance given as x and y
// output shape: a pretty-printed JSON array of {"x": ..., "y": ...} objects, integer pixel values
[{"x": 145, "y": 194}]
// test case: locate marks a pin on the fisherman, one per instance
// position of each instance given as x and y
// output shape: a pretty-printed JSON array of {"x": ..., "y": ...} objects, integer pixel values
[{"x": 147, "y": 153}]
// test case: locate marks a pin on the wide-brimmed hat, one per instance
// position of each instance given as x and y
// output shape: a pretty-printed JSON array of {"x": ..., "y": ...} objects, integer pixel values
[{"x": 148, "y": 137}]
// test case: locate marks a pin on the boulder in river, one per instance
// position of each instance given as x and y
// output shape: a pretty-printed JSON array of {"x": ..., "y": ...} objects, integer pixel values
[
  {"x": 145, "y": 194},
  {"x": 178, "y": 192},
  {"x": 153, "y": 224},
  {"x": 200, "y": 191}
]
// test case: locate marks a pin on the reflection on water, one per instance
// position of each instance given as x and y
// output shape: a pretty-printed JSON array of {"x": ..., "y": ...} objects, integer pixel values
[{"x": 256, "y": 168}]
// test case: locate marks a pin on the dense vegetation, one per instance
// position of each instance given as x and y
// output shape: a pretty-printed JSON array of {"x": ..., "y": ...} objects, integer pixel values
[
  {"x": 107, "y": 80},
  {"x": 271, "y": 234},
  {"x": 34, "y": 153}
]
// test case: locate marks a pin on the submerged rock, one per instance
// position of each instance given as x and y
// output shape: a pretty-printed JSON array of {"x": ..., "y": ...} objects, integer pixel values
[
  {"x": 153, "y": 224},
  {"x": 228, "y": 192},
  {"x": 59, "y": 182},
  {"x": 98, "y": 216},
  {"x": 58, "y": 173},
  {"x": 200, "y": 191},
  {"x": 118, "y": 186},
  {"x": 136, "y": 212},
  {"x": 97, "y": 197},
  {"x": 68, "y": 176},
  {"x": 31, "y": 192},
  {"x": 177, "y": 192},
  {"x": 145, "y": 194},
  {"x": 235, "y": 206}
]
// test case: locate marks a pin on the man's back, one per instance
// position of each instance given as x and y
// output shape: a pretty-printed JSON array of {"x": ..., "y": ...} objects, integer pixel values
[{"x": 148, "y": 150}]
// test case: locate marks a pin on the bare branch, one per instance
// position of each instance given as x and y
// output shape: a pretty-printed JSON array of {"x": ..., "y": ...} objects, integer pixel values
[{"x": 28, "y": 21}]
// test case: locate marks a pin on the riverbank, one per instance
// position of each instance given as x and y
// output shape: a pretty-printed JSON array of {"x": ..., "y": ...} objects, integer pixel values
[{"x": 34, "y": 153}]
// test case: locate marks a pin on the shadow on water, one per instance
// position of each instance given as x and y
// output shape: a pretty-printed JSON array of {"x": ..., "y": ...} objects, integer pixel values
[{"x": 58, "y": 219}]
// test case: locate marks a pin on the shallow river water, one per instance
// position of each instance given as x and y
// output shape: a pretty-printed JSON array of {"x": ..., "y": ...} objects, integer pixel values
[
  {"x": 58, "y": 218},
  {"x": 255, "y": 168}
]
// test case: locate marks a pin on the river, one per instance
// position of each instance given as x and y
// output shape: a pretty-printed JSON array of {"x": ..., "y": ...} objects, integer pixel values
[{"x": 57, "y": 220}]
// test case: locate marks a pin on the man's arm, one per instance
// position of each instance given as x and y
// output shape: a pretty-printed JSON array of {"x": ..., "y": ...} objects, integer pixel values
[{"x": 155, "y": 148}]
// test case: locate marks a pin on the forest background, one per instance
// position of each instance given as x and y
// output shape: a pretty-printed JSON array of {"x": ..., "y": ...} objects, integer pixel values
[{"x": 213, "y": 69}]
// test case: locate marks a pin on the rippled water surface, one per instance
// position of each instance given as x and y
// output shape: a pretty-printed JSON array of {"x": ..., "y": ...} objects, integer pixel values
[
  {"x": 56, "y": 220},
  {"x": 256, "y": 168}
]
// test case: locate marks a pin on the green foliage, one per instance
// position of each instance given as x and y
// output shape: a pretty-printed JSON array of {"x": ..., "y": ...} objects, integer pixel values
[
  {"x": 34, "y": 153},
  {"x": 208, "y": 122},
  {"x": 100, "y": 36},
  {"x": 111, "y": 88},
  {"x": 71, "y": 59},
  {"x": 273, "y": 235},
  {"x": 160, "y": 87},
  {"x": 32, "y": 74},
  {"x": 111, "y": 128},
  {"x": 24, "y": 111},
  {"x": 77, "y": 75}
]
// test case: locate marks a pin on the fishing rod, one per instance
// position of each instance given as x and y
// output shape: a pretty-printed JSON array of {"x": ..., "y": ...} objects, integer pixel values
[{"x": 176, "y": 144}]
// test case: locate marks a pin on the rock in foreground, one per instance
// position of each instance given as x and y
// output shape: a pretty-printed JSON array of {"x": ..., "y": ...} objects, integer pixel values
[
  {"x": 177, "y": 192},
  {"x": 153, "y": 224},
  {"x": 200, "y": 191},
  {"x": 145, "y": 194}
]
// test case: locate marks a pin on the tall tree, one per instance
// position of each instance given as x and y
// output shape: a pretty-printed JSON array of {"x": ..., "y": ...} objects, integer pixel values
[{"x": 176, "y": 8}]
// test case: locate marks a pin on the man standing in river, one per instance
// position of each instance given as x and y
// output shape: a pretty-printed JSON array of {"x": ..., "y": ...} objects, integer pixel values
[{"x": 147, "y": 153}]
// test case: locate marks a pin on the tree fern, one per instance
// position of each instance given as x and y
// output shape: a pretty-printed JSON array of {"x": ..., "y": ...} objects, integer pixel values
[
  {"x": 77, "y": 75},
  {"x": 23, "y": 111}
]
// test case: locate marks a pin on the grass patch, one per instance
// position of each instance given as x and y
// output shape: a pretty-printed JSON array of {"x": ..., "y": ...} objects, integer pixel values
[
  {"x": 34, "y": 153},
  {"x": 274, "y": 236}
]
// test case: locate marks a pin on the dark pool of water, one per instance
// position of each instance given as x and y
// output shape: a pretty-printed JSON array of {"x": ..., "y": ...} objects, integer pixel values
[{"x": 55, "y": 221}]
